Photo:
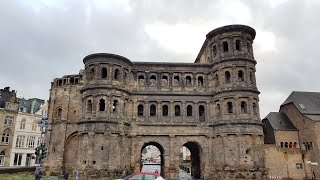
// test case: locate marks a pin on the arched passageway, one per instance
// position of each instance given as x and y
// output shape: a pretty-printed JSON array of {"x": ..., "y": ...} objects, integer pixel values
[
  {"x": 152, "y": 156},
  {"x": 71, "y": 151},
  {"x": 190, "y": 159}
]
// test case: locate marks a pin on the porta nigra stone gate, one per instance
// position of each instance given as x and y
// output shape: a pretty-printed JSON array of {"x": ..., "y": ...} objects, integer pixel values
[{"x": 107, "y": 114}]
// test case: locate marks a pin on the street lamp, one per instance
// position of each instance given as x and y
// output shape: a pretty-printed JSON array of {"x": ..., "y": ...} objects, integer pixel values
[{"x": 311, "y": 165}]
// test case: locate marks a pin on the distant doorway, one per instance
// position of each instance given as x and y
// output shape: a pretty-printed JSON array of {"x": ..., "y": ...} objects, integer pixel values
[{"x": 190, "y": 161}]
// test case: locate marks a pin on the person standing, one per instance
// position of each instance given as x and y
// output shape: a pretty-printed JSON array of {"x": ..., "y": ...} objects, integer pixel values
[
  {"x": 66, "y": 175},
  {"x": 77, "y": 174}
]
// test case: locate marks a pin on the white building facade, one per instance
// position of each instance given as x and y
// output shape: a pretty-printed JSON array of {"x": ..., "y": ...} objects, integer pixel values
[{"x": 27, "y": 136}]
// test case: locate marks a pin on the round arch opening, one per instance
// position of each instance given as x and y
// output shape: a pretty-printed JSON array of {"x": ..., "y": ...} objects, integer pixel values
[
  {"x": 190, "y": 159},
  {"x": 152, "y": 158}
]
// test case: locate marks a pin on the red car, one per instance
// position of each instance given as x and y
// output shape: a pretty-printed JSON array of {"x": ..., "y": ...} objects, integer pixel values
[{"x": 144, "y": 176}]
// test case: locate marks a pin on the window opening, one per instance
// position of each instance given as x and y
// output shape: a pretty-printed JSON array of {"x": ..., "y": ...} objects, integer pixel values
[
  {"x": 89, "y": 106},
  {"x": 177, "y": 110},
  {"x": 200, "y": 81},
  {"x": 140, "y": 110},
  {"x": 214, "y": 50},
  {"x": 153, "y": 110},
  {"x": 115, "y": 106},
  {"x": 116, "y": 74},
  {"x": 102, "y": 105},
  {"x": 104, "y": 72},
  {"x": 225, "y": 46},
  {"x": 188, "y": 81},
  {"x": 164, "y": 110},
  {"x": 244, "y": 107},
  {"x": 240, "y": 76},
  {"x": 201, "y": 113},
  {"x": 230, "y": 107},
  {"x": 189, "y": 110},
  {"x": 227, "y": 77},
  {"x": 238, "y": 45}
]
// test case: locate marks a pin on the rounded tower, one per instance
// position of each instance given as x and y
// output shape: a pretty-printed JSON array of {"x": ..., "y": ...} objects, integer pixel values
[{"x": 237, "y": 128}]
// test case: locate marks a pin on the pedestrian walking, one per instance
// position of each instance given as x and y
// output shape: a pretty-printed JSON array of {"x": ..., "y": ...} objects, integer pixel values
[
  {"x": 77, "y": 174},
  {"x": 66, "y": 175}
]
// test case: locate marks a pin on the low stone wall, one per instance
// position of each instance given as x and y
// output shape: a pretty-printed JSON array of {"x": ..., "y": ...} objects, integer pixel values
[{"x": 4, "y": 170}]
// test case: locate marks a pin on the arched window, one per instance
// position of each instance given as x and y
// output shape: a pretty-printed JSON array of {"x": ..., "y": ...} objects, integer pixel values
[
  {"x": 200, "y": 81},
  {"x": 225, "y": 46},
  {"x": 307, "y": 146},
  {"x": 89, "y": 106},
  {"x": 2, "y": 158},
  {"x": 5, "y": 136},
  {"x": 59, "y": 113},
  {"x": 104, "y": 72},
  {"x": 240, "y": 76},
  {"x": 102, "y": 105},
  {"x": 290, "y": 145},
  {"x": 141, "y": 79},
  {"x": 140, "y": 110},
  {"x": 189, "y": 110},
  {"x": 153, "y": 110},
  {"x": 23, "y": 123},
  {"x": 281, "y": 144},
  {"x": 230, "y": 107},
  {"x": 295, "y": 145},
  {"x": 164, "y": 110},
  {"x": 177, "y": 110},
  {"x": 34, "y": 125},
  {"x": 286, "y": 144},
  {"x": 218, "y": 110},
  {"x": 311, "y": 146},
  {"x": 227, "y": 77},
  {"x": 201, "y": 113},
  {"x": 238, "y": 45},
  {"x": 214, "y": 50},
  {"x": 251, "y": 78},
  {"x": 116, "y": 74},
  {"x": 164, "y": 80},
  {"x": 217, "y": 80},
  {"x": 115, "y": 106},
  {"x": 244, "y": 108},
  {"x": 153, "y": 79},
  {"x": 249, "y": 47},
  {"x": 92, "y": 72},
  {"x": 176, "y": 80},
  {"x": 254, "y": 108},
  {"x": 188, "y": 81}
]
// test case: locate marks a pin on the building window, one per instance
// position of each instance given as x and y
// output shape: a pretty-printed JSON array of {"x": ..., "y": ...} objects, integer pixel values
[
  {"x": 286, "y": 145},
  {"x": 2, "y": 158},
  {"x": 5, "y": 136},
  {"x": 40, "y": 141},
  {"x": 281, "y": 144},
  {"x": 214, "y": 50},
  {"x": 31, "y": 141},
  {"x": 230, "y": 107},
  {"x": 8, "y": 120},
  {"x": 89, "y": 106},
  {"x": 227, "y": 77},
  {"x": 251, "y": 77},
  {"x": 225, "y": 46},
  {"x": 116, "y": 74},
  {"x": 238, "y": 45},
  {"x": 141, "y": 79},
  {"x": 218, "y": 110},
  {"x": 20, "y": 141},
  {"x": 188, "y": 81},
  {"x": 104, "y": 72},
  {"x": 177, "y": 110},
  {"x": 115, "y": 106},
  {"x": 164, "y": 81},
  {"x": 201, "y": 113},
  {"x": 255, "y": 109},
  {"x": 153, "y": 79},
  {"x": 23, "y": 123},
  {"x": 200, "y": 81},
  {"x": 299, "y": 165},
  {"x": 102, "y": 105},
  {"x": 244, "y": 108},
  {"x": 240, "y": 76},
  {"x": 59, "y": 113},
  {"x": 34, "y": 125},
  {"x": 140, "y": 110},
  {"x": 17, "y": 159},
  {"x": 153, "y": 110},
  {"x": 165, "y": 110},
  {"x": 189, "y": 110},
  {"x": 176, "y": 80}
]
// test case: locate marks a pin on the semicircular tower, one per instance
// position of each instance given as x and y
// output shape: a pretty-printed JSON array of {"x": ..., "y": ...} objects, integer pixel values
[{"x": 238, "y": 135}]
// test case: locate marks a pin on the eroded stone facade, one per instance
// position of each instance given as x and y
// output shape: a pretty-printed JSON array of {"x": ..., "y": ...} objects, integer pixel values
[{"x": 104, "y": 116}]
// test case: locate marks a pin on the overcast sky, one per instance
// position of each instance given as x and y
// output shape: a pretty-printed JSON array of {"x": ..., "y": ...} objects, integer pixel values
[{"x": 45, "y": 39}]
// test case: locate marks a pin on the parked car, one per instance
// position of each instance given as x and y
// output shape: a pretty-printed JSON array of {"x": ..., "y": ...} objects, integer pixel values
[{"x": 144, "y": 176}]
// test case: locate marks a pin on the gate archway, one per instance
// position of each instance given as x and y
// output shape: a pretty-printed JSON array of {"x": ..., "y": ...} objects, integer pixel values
[
  {"x": 195, "y": 159},
  {"x": 161, "y": 149},
  {"x": 71, "y": 152}
]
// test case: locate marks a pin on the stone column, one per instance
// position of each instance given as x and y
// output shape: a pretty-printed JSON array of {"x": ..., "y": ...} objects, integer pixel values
[
  {"x": 183, "y": 109},
  {"x": 171, "y": 111},
  {"x": 159, "y": 111}
]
